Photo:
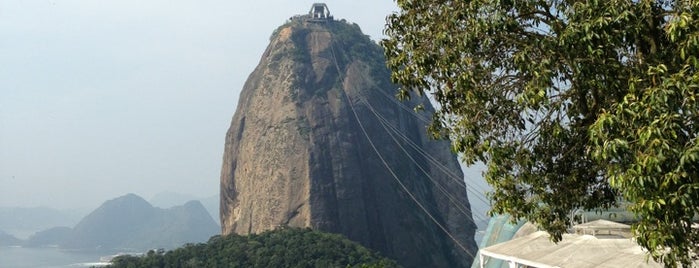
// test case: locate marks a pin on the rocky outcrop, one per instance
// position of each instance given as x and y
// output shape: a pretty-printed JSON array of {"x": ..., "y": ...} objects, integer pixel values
[{"x": 319, "y": 141}]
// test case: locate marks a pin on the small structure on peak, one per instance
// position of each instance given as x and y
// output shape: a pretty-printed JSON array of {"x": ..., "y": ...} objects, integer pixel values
[{"x": 319, "y": 13}]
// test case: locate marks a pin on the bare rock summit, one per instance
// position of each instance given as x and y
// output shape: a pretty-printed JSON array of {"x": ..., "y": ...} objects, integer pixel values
[{"x": 318, "y": 140}]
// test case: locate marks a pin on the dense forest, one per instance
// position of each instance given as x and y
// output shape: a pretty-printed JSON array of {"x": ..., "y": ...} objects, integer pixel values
[{"x": 285, "y": 247}]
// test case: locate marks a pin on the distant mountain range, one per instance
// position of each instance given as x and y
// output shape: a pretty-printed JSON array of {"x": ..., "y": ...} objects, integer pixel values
[
  {"x": 24, "y": 221},
  {"x": 130, "y": 222},
  {"x": 8, "y": 240},
  {"x": 171, "y": 199},
  {"x": 49, "y": 237}
]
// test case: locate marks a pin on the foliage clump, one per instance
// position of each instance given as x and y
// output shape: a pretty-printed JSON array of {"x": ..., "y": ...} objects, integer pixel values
[
  {"x": 571, "y": 104},
  {"x": 285, "y": 247}
]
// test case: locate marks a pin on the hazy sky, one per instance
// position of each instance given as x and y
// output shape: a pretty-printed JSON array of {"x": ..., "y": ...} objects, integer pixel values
[{"x": 103, "y": 98}]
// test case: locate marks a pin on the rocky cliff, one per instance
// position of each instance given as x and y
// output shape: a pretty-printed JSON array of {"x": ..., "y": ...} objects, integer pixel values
[{"x": 319, "y": 141}]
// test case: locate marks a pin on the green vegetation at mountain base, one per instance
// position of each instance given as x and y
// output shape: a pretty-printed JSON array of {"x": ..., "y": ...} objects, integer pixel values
[
  {"x": 285, "y": 247},
  {"x": 571, "y": 104}
]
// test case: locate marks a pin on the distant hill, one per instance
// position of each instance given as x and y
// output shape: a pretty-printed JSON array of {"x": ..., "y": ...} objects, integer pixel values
[
  {"x": 50, "y": 237},
  {"x": 170, "y": 199},
  {"x": 212, "y": 204},
  {"x": 287, "y": 247},
  {"x": 130, "y": 222},
  {"x": 8, "y": 240},
  {"x": 23, "y": 221}
]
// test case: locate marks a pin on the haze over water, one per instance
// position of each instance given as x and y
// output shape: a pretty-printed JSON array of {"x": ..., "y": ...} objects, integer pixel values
[
  {"x": 100, "y": 99},
  {"x": 48, "y": 258}
]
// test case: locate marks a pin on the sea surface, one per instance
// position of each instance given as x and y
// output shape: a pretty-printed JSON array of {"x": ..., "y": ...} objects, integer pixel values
[{"x": 18, "y": 257}]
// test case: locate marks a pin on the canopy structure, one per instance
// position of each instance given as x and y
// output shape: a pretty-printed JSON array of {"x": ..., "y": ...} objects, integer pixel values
[
  {"x": 574, "y": 251},
  {"x": 603, "y": 227}
]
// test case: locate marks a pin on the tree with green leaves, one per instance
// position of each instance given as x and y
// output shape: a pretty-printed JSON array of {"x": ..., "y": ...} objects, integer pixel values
[
  {"x": 571, "y": 104},
  {"x": 284, "y": 247}
]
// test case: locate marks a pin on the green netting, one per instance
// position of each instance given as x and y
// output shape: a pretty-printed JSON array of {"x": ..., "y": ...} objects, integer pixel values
[{"x": 500, "y": 229}]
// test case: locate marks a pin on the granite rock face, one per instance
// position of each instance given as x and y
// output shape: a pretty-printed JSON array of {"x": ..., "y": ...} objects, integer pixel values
[{"x": 319, "y": 141}]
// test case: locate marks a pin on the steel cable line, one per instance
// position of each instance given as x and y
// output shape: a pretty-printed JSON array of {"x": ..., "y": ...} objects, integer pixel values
[
  {"x": 466, "y": 211},
  {"x": 393, "y": 174},
  {"x": 427, "y": 121},
  {"x": 478, "y": 193},
  {"x": 405, "y": 107},
  {"x": 429, "y": 157},
  {"x": 385, "y": 125}
]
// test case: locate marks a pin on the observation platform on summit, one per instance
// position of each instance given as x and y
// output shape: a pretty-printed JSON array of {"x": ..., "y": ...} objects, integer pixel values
[{"x": 319, "y": 13}]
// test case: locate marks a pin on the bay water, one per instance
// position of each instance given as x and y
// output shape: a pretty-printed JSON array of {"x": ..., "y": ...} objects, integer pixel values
[{"x": 19, "y": 257}]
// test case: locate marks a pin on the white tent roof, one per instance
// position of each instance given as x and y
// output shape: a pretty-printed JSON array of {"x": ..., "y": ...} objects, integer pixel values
[
  {"x": 575, "y": 251},
  {"x": 599, "y": 226},
  {"x": 602, "y": 224}
]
